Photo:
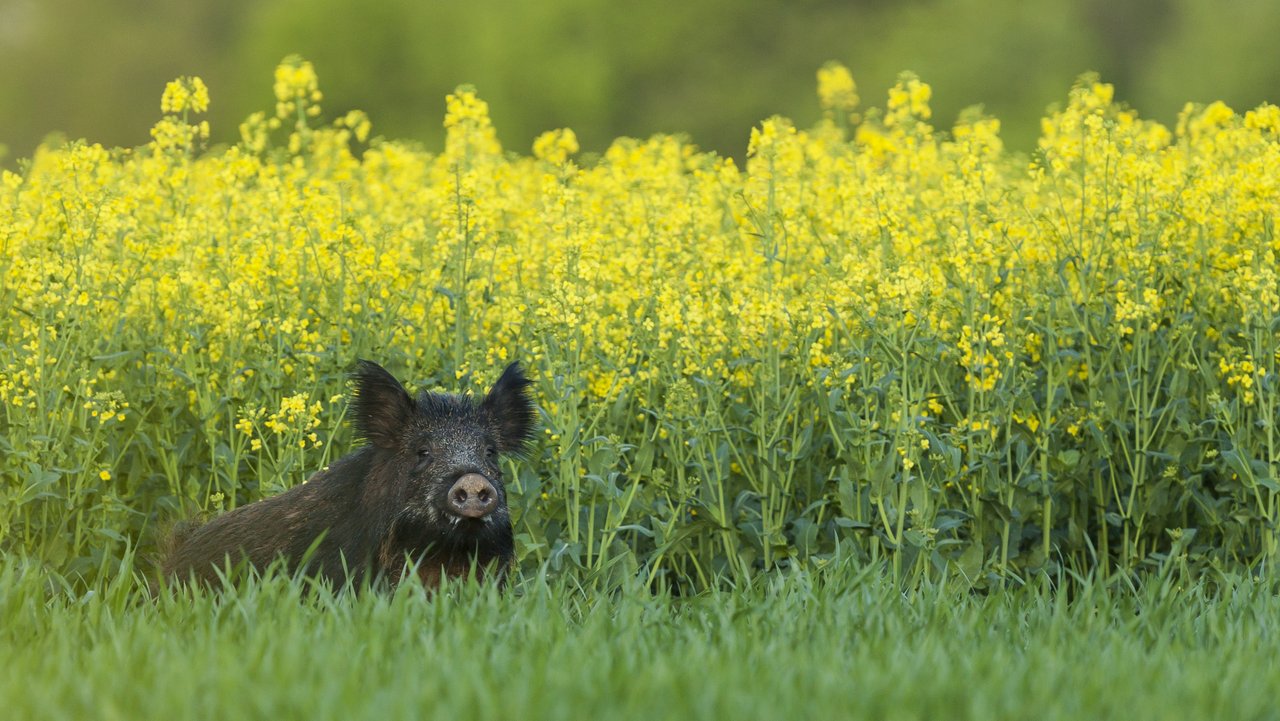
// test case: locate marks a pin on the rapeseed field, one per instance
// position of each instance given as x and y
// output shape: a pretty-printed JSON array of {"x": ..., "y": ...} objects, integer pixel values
[{"x": 873, "y": 337}]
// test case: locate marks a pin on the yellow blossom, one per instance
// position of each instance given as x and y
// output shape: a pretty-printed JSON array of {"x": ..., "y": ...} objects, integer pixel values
[
  {"x": 555, "y": 146},
  {"x": 836, "y": 89}
]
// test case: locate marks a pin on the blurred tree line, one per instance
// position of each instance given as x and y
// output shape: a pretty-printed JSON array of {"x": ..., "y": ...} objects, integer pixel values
[{"x": 708, "y": 68}]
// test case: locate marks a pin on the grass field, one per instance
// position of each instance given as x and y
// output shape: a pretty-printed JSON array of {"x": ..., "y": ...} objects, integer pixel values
[{"x": 838, "y": 644}]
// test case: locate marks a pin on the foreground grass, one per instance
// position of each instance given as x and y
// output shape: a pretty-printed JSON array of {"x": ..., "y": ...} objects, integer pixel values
[{"x": 836, "y": 645}]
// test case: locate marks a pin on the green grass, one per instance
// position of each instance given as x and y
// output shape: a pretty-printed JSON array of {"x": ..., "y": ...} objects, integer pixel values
[{"x": 841, "y": 643}]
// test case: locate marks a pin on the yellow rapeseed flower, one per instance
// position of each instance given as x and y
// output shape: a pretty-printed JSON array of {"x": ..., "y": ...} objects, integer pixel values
[
  {"x": 555, "y": 146},
  {"x": 836, "y": 89}
]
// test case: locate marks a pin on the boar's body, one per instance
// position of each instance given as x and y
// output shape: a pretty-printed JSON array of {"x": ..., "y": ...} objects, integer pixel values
[
  {"x": 427, "y": 488},
  {"x": 330, "y": 506}
]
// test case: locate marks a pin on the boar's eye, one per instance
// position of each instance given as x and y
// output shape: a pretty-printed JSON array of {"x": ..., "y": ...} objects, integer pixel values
[
  {"x": 424, "y": 457},
  {"x": 490, "y": 452}
]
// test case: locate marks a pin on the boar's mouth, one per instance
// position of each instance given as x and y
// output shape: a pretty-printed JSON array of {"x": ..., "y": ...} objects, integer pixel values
[
  {"x": 461, "y": 529},
  {"x": 443, "y": 532}
]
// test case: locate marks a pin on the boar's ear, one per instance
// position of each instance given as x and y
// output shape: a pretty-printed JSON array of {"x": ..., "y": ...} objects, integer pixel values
[
  {"x": 508, "y": 410},
  {"x": 381, "y": 406}
]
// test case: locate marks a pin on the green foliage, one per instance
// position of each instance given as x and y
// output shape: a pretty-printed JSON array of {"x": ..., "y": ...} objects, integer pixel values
[
  {"x": 1202, "y": 53},
  {"x": 708, "y": 68}
]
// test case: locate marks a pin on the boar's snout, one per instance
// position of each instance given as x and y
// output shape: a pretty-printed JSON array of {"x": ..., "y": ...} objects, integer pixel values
[{"x": 473, "y": 496}]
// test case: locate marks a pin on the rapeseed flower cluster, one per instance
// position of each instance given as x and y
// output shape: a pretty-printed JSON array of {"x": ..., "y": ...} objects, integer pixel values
[
  {"x": 836, "y": 88},
  {"x": 870, "y": 324}
]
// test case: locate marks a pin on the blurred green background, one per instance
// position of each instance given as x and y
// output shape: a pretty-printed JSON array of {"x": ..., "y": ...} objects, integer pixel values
[{"x": 709, "y": 68}]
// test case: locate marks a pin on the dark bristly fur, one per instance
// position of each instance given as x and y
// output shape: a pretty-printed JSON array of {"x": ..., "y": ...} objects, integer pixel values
[{"x": 387, "y": 502}]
